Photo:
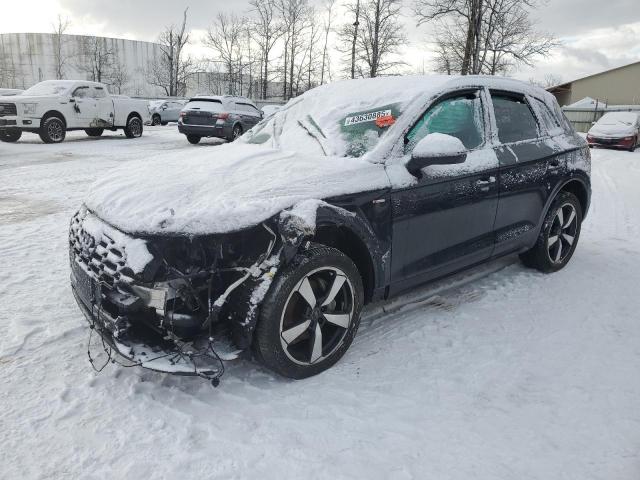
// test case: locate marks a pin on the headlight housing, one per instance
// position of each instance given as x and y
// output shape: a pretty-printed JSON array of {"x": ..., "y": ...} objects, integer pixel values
[{"x": 29, "y": 108}]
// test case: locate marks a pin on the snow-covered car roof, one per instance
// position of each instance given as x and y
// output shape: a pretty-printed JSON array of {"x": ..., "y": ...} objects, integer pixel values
[
  {"x": 615, "y": 117},
  {"x": 338, "y": 119}
]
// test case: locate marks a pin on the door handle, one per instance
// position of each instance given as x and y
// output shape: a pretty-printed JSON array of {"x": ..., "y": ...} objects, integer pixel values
[
  {"x": 554, "y": 164},
  {"x": 485, "y": 183}
]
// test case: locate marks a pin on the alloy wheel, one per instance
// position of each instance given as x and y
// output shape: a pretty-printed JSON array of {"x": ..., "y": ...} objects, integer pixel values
[
  {"x": 237, "y": 132},
  {"x": 562, "y": 233},
  {"x": 317, "y": 316},
  {"x": 55, "y": 131},
  {"x": 136, "y": 127}
]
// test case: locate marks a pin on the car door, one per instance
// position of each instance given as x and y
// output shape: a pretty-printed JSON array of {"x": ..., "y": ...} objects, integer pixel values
[
  {"x": 530, "y": 164},
  {"x": 169, "y": 112},
  {"x": 104, "y": 117},
  {"x": 445, "y": 222},
  {"x": 84, "y": 107}
]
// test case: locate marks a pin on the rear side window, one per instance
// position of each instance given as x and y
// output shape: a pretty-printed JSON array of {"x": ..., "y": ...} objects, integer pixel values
[
  {"x": 514, "y": 118},
  {"x": 547, "y": 118},
  {"x": 460, "y": 117},
  {"x": 98, "y": 92}
]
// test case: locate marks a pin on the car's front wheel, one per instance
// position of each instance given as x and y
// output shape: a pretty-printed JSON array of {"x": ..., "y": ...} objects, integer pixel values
[
  {"x": 10, "y": 136},
  {"x": 310, "y": 314},
  {"x": 193, "y": 139},
  {"x": 559, "y": 235},
  {"x": 53, "y": 130}
]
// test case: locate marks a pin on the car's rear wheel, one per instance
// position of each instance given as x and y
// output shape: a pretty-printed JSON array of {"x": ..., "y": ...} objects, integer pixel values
[
  {"x": 310, "y": 314},
  {"x": 559, "y": 236},
  {"x": 156, "y": 120},
  {"x": 193, "y": 139},
  {"x": 236, "y": 133},
  {"x": 94, "y": 132},
  {"x": 134, "y": 127},
  {"x": 10, "y": 136},
  {"x": 53, "y": 130}
]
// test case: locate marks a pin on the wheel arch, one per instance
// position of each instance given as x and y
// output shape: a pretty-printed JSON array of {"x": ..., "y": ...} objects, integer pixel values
[
  {"x": 133, "y": 114},
  {"x": 580, "y": 190},
  {"x": 54, "y": 113}
]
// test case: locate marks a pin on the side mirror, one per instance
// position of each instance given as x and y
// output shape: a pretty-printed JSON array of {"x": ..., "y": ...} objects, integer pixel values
[
  {"x": 72, "y": 100},
  {"x": 164, "y": 107},
  {"x": 436, "y": 149}
]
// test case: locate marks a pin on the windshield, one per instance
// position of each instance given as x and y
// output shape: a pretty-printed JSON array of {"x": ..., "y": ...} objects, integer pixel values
[
  {"x": 348, "y": 132},
  {"x": 345, "y": 119},
  {"x": 48, "y": 88},
  {"x": 614, "y": 118}
]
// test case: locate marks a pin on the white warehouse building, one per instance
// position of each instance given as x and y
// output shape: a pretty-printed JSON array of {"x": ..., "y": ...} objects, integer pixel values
[{"x": 28, "y": 58}]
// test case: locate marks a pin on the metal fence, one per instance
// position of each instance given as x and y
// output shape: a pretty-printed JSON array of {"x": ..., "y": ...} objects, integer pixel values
[{"x": 582, "y": 119}]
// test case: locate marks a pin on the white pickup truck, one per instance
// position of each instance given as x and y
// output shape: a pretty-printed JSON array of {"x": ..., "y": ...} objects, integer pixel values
[{"x": 53, "y": 107}]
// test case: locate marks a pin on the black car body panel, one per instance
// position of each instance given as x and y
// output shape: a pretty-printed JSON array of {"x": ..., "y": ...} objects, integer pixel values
[{"x": 397, "y": 237}]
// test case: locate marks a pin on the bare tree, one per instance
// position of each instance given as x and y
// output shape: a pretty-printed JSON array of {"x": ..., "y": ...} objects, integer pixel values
[
  {"x": 59, "y": 55},
  {"x": 549, "y": 80},
  {"x": 329, "y": 4},
  {"x": 171, "y": 70},
  {"x": 96, "y": 58},
  {"x": 266, "y": 30},
  {"x": 484, "y": 36},
  {"x": 118, "y": 77},
  {"x": 296, "y": 19},
  {"x": 225, "y": 38},
  {"x": 380, "y": 40},
  {"x": 8, "y": 72}
]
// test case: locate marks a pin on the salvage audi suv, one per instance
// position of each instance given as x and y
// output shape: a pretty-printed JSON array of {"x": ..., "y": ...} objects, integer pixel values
[{"x": 352, "y": 193}]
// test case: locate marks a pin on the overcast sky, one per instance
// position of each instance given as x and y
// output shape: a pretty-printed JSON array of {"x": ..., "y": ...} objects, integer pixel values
[{"x": 596, "y": 34}]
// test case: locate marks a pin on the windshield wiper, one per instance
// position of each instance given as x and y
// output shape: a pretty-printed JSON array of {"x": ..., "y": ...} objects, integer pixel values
[{"x": 310, "y": 125}]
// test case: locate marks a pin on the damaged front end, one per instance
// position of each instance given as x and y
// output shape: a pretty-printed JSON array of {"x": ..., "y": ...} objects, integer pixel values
[{"x": 160, "y": 301}]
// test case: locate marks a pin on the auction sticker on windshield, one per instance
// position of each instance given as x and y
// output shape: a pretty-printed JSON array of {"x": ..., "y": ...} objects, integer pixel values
[{"x": 366, "y": 117}]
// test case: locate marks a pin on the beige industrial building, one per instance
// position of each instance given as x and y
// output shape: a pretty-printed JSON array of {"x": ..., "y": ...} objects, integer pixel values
[{"x": 619, "y": 86}]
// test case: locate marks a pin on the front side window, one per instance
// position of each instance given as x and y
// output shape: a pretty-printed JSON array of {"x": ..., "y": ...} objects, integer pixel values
[
  {"x": 81, "y": 92},
  {"x": 459, "y": 116},
  {"x": 514, "y": 118}
]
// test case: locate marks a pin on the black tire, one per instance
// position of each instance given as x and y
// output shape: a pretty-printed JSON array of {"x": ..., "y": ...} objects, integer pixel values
[
  {"x": 322, "y": 268},
  {"x": 156, "y": 120},
  {"x": 236, "y": 132},
  {"x": 10, "y": 136},
  {"x": 134, "y": 127},
  {"x": 193, "y": 139},
  {"x": 164, "y": 124},
  {"x": 558, "y": 237},
  {"x": 94, "y": 132},
  {"x": 53, "y": 130}
]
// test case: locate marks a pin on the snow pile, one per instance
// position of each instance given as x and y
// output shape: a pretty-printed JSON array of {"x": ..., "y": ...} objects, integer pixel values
[{"x": 232, "y": 187}]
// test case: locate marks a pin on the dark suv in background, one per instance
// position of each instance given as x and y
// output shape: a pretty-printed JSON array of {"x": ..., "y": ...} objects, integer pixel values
[{"x": 218, "y": 116}]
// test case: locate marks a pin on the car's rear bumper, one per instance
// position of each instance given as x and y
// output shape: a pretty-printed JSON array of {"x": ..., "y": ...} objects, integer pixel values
[{"x": 219, "y": 131}]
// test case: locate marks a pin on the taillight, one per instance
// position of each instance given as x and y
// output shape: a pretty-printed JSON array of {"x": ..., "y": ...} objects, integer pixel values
[
  {"x": 182, "y": 114},
  {"x": 222, "y": 116}
]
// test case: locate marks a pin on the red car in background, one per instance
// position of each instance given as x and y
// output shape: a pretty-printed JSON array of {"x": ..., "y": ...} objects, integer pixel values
[{"x": 617, "y": 130}]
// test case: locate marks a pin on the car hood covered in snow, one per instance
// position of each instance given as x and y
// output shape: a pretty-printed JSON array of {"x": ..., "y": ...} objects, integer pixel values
[{"x": 223, "y": 189}]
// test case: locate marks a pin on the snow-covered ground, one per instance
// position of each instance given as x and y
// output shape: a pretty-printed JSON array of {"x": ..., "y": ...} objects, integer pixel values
[{"x": 501, "y": 373}]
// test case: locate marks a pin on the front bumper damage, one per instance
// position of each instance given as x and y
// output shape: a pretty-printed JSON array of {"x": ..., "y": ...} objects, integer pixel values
[{"x": 169, "y": 324}]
